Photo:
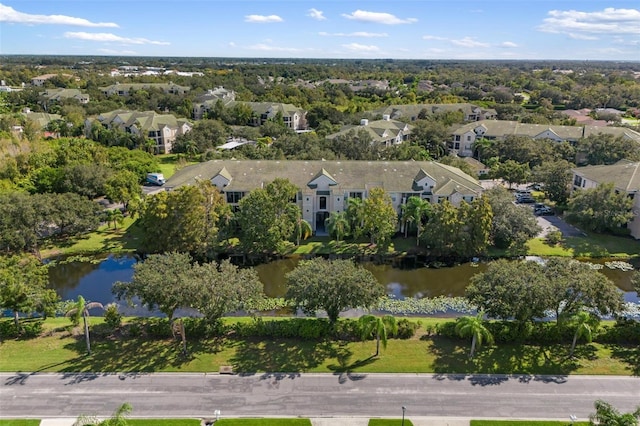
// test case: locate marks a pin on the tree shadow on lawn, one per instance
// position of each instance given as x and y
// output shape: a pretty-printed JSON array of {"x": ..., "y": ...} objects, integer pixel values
[
  {"x": 583, "y": 247},
  {"x": 281, "y": 355},
  {"x": 452, "y": 358},
  {"x": 629, "y": 354},
  {"x": 132, "y": 355}
]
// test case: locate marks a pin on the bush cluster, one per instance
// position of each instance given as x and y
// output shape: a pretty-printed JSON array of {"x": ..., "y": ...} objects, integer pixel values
[{"x": 26, "y": 329}]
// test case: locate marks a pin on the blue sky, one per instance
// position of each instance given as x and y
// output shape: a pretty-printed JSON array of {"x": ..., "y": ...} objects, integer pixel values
[{"x": 399, "y": 29}]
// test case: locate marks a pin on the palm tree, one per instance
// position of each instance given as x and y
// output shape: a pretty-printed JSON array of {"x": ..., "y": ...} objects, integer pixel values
[
  {"x": 418, "y": 209},
  {"x": 303, "y": 230},
  {"x": 480, "y": 146},
  {"x": 380, "y": 326},
  {"x": 115, "y": 216},
  {"x": 355, "y": 216},
  {"x": 337, "y": 224},
  {"x": 406, "y": 218},
  {"x": 583, "y": 322},
  {"x": 473, "y": 326},
  {"x": 81, "y": 309}
]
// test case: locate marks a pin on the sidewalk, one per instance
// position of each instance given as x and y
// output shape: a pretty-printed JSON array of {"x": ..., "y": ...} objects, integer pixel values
[{"x": 322, "y": 421}]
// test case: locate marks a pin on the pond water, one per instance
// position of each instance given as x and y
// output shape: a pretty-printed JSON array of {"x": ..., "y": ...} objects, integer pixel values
[{"x": 93, "y": 280}]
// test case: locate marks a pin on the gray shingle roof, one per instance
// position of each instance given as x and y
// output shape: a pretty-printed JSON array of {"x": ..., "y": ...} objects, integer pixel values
[
  {"x": 625, "y": 174},
  {"x": 393, "y": 176}
]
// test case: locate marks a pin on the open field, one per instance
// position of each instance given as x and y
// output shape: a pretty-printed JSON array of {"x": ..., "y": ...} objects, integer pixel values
[{"x": 61, "y": 349}]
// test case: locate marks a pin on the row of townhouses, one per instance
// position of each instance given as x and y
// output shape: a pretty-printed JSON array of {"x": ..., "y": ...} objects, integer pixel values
[
  {"x": 465, "y": 136},
  {"x": 326, "y": 186}
]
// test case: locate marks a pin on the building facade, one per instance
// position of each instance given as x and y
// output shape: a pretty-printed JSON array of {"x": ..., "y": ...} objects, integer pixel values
[{"x": 325, "y": 187}]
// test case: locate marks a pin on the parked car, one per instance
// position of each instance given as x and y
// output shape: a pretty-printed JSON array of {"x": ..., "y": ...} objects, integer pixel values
[
  {"x": 525, "y": 199},
  {"x": 544, "y": 211}
]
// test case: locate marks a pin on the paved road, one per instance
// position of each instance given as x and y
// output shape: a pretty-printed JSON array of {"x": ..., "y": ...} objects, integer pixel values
[{"x": 313, "y": 395}]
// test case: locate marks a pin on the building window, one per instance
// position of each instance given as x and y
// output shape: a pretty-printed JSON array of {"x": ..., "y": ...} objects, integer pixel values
[
  {"x": 457, "y": 138},
  {"x": 456, "y": 145},
  {"x": 323, "y": 203},
  {"x": 577, "y": 181},
  {"x": 355, "y": 195},
  {"x": 234, "y": 197},
  {"x": 468, "y": 138}
]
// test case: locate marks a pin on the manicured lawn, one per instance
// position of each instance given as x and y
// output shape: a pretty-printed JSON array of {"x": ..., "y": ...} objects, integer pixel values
[
  {"x": 593, "y": 245},
  {"x": 163, "y": 422},
  {"x": 170, "y": 163},
  {"x": 19, "y": 422},
  {"x": 57, "y": 350},
  {"x": 264, "y": 422},
  {"x": 524, "y": 423},
  {"x": 390, "y": 422},
  {"x": 106, "y": 240}
]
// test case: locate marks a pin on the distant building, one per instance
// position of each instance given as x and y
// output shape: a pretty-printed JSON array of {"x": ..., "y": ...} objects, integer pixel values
[
  {"x": 161, "y": 128},
  {"x": 386, "y": 132},
  {"x": 41, "y": 79},
  {"x": 207, "y": 101},
  {"x": 50, "y": 96},
  {"x": 125, "y": 89},
  {"x": 625, "y": 177},
  {"x": 465, "y": 136},
  {"x": 414, "y": 112}
]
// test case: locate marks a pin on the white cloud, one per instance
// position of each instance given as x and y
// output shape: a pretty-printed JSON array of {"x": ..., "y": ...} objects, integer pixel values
[
  {"x": 269, "y": 48},
  {"x": 469, "y": 42},
  {"x": 431, "y": 37},
  {"x": 232, "y": 44},
  {"x": 262, "y": 19},
  {"x": 356, "y": 47},
  {"x": 378, "y": 18},
  {"x": 577, "y": 36},
  {"x": 607, "y": 21},
  {"x": 112, "y": 38},
  {"x": 508, "y": 44},
  {"x": 117, "y": 52},
  {"x": 9, "y": 14},
  {"x": 316, "y": 14},
  {"x": 354, "y": 34}
]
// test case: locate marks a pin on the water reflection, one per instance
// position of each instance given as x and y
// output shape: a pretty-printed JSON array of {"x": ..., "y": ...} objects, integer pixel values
[{"x": 94, "y": 280}]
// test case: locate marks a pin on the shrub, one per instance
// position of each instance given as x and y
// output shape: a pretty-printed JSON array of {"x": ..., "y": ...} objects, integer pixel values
[
  {"x": 625, "y": 331},
  {"x": 158, "y": 327},
  {"x": 112, "y": 317},
  {"x": 26, "y": 329},
  {"x": 554, "y": 238},
  {"x": 406, "y": 329}
]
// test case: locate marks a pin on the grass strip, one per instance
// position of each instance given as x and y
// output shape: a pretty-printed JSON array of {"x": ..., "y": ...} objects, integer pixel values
[
  {"x": 390, "y": 422},
  {"x": 264, "y": 422},
  {"x": 20, "y": 422},
  {"x": 525, "y": 423}
]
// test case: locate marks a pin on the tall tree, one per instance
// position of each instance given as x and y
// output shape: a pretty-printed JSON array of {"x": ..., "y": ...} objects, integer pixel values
[
  {"x": 160, "y": 282},
  {"x": 332, "y": 286},
  {"x": 513, "y": 172},
  {"x": 267, "y": 218},
  {"x": 81, "y": 309},
  {"x": 443, "y": 229},
  {"x": 122, "y": 187},
  {"x": 473, "y": 326},
  {"x": 416, "y": 211},
  {"x": 584, "y": 324},
  {"x": 556, "y": 179},
  {"x": 600, "y": 209},
  {"x": 23, "y": 287},
  {"x": 355, "y": 216},
  {"x": 379, "y": 327},
  {"x": 337, "y": 225},
  {"x": 511, "y": 225},
  {"x": 222, "y": 288},
  {"x": 380, "y": 218}
]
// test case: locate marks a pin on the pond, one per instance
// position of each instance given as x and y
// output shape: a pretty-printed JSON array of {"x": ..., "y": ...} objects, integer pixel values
[{"x": 93, "y": 280}]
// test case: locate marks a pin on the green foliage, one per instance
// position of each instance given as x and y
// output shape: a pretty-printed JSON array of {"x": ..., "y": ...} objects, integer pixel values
[
  {"x": 405, "y": 329},
  {"x": 607, "y": 414},
  {"x": 473, "y": 327},
  {"x": 607, "y": 149},
  {"x": 600, "y": 209},
  {"x": 300, "y": 328},
  {"x": 554, "y": 238},
  {"x": 267, "y": 217},
  {"x": 512, "y": 172},
  {"x": 378, "y": 327},
  {"x": 332, "y": 286},
  {"x": 27, "y": 329},
  {"x": 112, "y": 317},
  {"x": 556, "y": 180},
  {"x": 380, "y": 218},
  {"x": 511, "y": 225}
]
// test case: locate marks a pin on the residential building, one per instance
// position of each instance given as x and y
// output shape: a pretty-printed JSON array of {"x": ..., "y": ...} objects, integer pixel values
[
  {"x": 385, "y": 132},
  {"x": 207, "y": 101},
  {"x": 625, "y": 177},
  {"x": 326, "y": 186},
  {"x": 414, "y": 112},
  {"x": 41, "y": 79},
  {"x": 161, "y": 128},
  {"x": 125, "y": 89},
  {"x": 465, "y": 136},
  {"x": 293, "y": 117},
  {"x": 50, "y": 96}
]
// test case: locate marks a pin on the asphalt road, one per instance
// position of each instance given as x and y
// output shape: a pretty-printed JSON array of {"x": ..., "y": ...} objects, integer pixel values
[{"x": 313, "y": 395}]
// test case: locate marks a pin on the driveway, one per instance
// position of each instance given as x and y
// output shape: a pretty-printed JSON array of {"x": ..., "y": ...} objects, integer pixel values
[{"x": 555, "y": 223}]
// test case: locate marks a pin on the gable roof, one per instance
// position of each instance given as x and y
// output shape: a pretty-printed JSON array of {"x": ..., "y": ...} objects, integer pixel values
[
  {"x": 379, "y": 130},
  {"x": 625, "y": 174},
  {"x": 393, "y": 176}
]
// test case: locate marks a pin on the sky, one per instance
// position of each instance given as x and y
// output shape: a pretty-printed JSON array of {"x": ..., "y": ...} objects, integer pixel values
[{"x": 341, "y": 29}]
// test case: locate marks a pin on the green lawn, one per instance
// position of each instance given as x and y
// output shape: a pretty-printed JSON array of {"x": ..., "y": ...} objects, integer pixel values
[
  {"x": 105, "y": 240},
  {"x": 390, "y": 422},
  {"x": 19, "y": 422},
  {"x": 263, "y": 422},
  {"x": 163, "y": 422},
  {"x": 525, "y": 423},
  {"x": 58, "y": 350},
  {"x": 593, "y": 245}
]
